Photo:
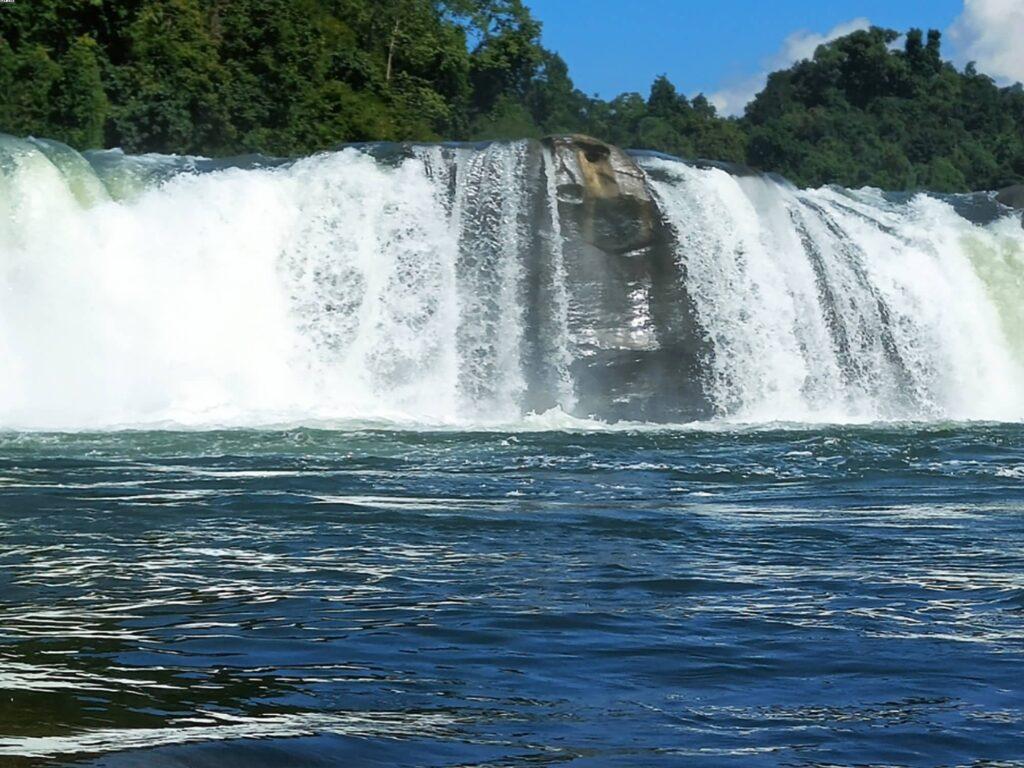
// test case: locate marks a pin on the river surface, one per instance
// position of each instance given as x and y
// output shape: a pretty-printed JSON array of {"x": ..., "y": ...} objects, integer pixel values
[{"x": 717, "y": 597}]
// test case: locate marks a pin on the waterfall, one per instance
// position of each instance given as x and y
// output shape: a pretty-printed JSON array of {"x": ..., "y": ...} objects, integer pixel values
[
  {"x": 834, "y": 304},
  {"x": 557, "y": 338},
  {"x": 442, "y": 286}
]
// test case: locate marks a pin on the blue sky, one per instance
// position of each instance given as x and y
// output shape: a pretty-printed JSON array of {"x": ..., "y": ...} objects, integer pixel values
[{"x": 724, "y": 47}]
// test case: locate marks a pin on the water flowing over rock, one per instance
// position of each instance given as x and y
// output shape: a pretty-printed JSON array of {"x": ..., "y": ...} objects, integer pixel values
[
  {"x": 474, "y": 285},
  {"x": 638, "y": 350}
]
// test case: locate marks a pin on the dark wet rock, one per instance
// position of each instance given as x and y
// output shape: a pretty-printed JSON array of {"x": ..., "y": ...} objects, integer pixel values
[
  {"x": 604, "y": 193},
  {"x": 638, "y": 350},
  {"x": 1012, "y": 197}
]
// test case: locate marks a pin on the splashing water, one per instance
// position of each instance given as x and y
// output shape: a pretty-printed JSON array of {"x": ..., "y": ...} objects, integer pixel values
[
  {"x": 430, "y": 287},
  {"x": 838, "y": 305}
]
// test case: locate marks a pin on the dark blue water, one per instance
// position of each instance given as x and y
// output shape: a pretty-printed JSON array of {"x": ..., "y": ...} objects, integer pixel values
[{"x": 760, "y": 598}]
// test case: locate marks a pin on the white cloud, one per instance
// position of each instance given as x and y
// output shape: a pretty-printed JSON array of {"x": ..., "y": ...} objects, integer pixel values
[
  {"x": 800, "y": 45},
  {"x": 991, "y": 33}
]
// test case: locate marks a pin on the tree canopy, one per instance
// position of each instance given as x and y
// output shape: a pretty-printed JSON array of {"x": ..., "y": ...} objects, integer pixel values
[{"x": 289, "y": 77}]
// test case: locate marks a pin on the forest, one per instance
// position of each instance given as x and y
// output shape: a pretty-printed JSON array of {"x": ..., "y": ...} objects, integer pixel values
[{"x": 288, "y": 77}]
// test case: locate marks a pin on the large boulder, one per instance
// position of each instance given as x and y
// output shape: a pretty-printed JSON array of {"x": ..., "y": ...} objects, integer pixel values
[
  {"x": 1012, "y": 197},
  {"x": 637, "y": 350},
  {"x": 601, "y": 189}
]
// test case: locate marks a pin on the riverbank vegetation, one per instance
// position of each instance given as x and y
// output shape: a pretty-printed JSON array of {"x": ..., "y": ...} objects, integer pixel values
[{"x": 288, "y": 77}]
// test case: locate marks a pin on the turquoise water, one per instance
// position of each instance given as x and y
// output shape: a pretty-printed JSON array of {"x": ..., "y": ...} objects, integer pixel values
[{"x": 844, "y": 596}]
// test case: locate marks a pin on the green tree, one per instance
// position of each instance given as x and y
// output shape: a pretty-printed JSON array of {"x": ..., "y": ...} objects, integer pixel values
[
  {"x": 506, "y": 58},
  {"x": 293, "y": 76},
  {"x": 171, "y": 94},
  {"x": 79, "y": 105},
  {"x": 27, "y": 78}
]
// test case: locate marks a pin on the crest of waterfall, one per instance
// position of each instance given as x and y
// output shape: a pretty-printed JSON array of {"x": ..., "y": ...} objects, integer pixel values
[{"x": 444, "y": 285}]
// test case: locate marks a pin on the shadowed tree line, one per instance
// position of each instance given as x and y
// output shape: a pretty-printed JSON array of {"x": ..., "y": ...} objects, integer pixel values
[{"x": 289, "y": 77}]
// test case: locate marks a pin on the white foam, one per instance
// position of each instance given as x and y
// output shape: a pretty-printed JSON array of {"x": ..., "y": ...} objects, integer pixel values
[
  {"x": 343, "y": 292},
  {"x": 831, "y": 306}
]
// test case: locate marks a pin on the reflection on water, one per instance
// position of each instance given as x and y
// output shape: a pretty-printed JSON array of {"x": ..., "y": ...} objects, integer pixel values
[{"x": 747, "y": 598}]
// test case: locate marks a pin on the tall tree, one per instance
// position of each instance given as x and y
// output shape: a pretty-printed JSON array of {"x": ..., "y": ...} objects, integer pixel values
[
  {"x": 293, "y": 76},
  {"x": 172, "y": 93}
]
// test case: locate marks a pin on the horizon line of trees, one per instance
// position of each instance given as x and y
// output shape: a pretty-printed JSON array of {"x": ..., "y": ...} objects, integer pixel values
[{"x": 289, "y": 77}]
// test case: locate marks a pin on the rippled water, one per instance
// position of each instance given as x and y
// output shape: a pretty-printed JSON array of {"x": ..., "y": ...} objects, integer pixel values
[{"x": 716, "y": 598}]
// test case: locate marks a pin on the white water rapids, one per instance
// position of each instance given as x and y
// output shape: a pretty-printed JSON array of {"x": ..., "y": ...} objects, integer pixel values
[{"x": 433, "y": 289}]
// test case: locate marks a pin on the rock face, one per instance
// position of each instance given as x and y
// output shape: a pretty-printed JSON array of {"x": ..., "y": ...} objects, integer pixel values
[
  {"x": 1012, "y": 197},
  {"x": 639, "y": 351},
  {"x": 603, "y": 191}
]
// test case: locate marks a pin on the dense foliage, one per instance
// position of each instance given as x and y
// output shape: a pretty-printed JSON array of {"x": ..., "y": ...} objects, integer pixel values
[
  {"x": 293, "y": 76},
  {"x": 863, "y": 113}
]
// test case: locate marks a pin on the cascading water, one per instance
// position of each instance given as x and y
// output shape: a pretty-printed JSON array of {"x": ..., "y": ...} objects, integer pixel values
[
  {"x": 442, "y": 285},
  {"x": 835, "y": 305}
]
